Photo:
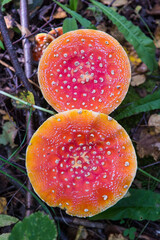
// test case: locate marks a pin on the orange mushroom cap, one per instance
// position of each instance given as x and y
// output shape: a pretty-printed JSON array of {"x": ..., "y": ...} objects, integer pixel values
[
  {"x": 85, "y": 69},
  {"x": 42, "y": 40},
  {"x": 56, "y": 32},
  {"x": 81, "y": 161}
]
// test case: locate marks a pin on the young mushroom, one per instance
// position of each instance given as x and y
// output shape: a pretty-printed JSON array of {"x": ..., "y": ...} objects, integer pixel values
[
  {"x": 84, "y": 69},
  {"x": 42, "y": 40},
  {"x": 56, "y": 32},
  {"x": 81, "y": 161}
]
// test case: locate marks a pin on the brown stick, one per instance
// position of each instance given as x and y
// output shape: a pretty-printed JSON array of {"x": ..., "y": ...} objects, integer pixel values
[
  {"x": 12, "y": 54},
  {"x": 18, "y": 69},
  {"x": 28, "y": 72},
  {"x": 29, "y": 198}
]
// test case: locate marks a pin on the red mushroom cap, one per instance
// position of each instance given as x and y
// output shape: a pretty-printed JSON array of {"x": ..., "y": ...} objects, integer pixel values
[
  {"x": 56, "y": 32},
  {"x": 42, "y": 40},
  {"x": 85, "y": 69},
  {"x": 81, "y": 161}
]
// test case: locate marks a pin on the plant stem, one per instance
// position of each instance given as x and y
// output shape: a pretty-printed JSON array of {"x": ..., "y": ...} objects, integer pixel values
[
  {"x": 27, "y": 103},
  {"x": 149, "y": 175},
  {"x": 12, "y": 164},
  {"x": 23, "y": 186}
]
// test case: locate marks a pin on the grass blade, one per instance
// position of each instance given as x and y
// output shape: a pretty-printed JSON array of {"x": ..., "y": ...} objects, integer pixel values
[
  {"x": 73, "y": 4},
  {"x": 12, "y": 164},
  {"x": 34, "y": 195},
  {"x": 143, "y": 45},
  {"x": 84, "y": 22}
]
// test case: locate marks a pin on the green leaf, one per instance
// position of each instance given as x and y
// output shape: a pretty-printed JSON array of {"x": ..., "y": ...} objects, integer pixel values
[
  {"x": 143, "y": 45},
  {"x": 4, "y": 236},
  {"x": 131, "y": 232},
  {"x": 69, "y": 24},
  {"x": 8, "y": 134},
  {"x": 73, "y": 4},
  {"x": 37, "y": 226},
  {"x": 141, "y": 205},
  {"x": 6, "y": 220},
  {"x": 150, "y": 102},
  {"x": 84, "y": 22},
  {"x": 5, "y": 2},
  {"x": 1, "y": 45}
]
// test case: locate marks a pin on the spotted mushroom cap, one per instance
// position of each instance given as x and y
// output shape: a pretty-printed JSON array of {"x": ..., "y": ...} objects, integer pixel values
[
  {"x": 56, "y": 32},
  {"x": 42, "y": 40},
  {"x": 81, "y": 161},
  {"x": 85, "y": 69}
]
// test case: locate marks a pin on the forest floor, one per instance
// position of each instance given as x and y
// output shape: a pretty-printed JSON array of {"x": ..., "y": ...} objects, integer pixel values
[{"x": 18, "y": 78}]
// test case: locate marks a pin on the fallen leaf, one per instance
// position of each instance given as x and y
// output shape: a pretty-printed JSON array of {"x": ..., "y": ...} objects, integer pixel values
[
  {"x": 24, "y": 31},
  {"x": 115, "y": 3},
  {"x": 154, "y": 120},
  {"x": 2, "y": 112},
  {"x": 155, "y": 10},
  {"x": 5, "y": 115},
  {"x": 9, "y": 133},
  {"x": 157, "y": 37},
  {"x": 133, "y": 57},
  {"x": 138, "y": 80},
  {"x": 102, "y": 27},
  {"x": 142, "y": 68},
  {"x": 8, "y": 21},
  {"x": 60, "y": 14},
  {"x": 81, "y": 233},
  {"x": 148, "y": 142},
  {"x": 3, "y": 205},
  {"x": 25, "y": 96},
  {"x": 116, "y": 237},
  {"x": 114, "y": 32},
  {"x": 9, "y": 24}
]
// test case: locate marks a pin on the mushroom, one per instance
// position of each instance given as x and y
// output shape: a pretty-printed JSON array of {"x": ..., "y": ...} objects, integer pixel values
[
  {"x": 42, "y": 40},
  {"x": 81, "y": 161},
  {"x": 84, "y": 69},
  {"x": 56, "y": 32}
]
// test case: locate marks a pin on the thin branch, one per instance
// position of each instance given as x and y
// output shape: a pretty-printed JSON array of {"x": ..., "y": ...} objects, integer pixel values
[
  {"x": 79, "y": 221},
  {"x": 28, "y": 71},
  {"x": 26, "y": 43},
  {"x": 29, "y": 198},
  {"x": 12, "y": 54},
  {"x": 150, "y": 165}
]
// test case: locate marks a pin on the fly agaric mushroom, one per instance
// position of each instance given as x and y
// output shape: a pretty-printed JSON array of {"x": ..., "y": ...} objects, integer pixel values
[
  {"x": 81, "y": 161},
  {"x": 42, "y": 40},
  {"x": 56, "y": 32},
  {"x": 84, "y": 69}
]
